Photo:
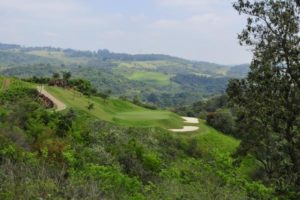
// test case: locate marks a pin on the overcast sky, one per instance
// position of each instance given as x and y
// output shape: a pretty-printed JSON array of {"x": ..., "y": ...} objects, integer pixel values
[{"x": 195, "y": 29}]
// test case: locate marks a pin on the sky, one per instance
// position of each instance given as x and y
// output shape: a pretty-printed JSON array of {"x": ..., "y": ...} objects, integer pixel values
[{"x": 203, "y": 30}]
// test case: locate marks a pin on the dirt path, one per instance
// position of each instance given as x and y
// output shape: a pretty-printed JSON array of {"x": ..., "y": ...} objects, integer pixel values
[
  {"x": 58, "y": 104},
  {"x": 5, "y": 83},
  {"x": 190, "y": 120}
]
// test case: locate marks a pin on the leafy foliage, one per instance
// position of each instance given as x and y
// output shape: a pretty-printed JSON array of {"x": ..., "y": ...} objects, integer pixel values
[
  {"x": 72, "y": 155},
  {"x": 268, "y": 99}
]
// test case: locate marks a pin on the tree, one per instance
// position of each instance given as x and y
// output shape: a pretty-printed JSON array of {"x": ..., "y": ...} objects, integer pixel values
[
  {"x": 55, "y": 75},
  {"x": 136, "y": 100},
  {"x": 268, "y": 100},
  {"x": 222, "y": 120},
  {"x": 108, "y": 92},
  {"x": 106, "y": 95},
  {"x": 153, "y": 98},
  {"x": 65, "y": 123},
  {"x": 67, "y": 75}
]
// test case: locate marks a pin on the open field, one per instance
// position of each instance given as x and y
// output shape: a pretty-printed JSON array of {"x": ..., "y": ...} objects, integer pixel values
[{"x": 151, "y": 77}]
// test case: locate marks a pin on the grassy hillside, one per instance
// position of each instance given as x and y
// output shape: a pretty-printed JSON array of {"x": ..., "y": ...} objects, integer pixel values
[
  {"x": 7, "y": 83},
  {"x": 117, "y": 111},
  {"x": 74, "y": 154}
]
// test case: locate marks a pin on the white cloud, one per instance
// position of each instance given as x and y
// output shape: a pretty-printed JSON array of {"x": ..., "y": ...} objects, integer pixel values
[
  {"x": 41, "y": 6},
  {"x": 192, "y": 4},
  {"x": 193, "y": 22},
  {"x": 198, "y": 29},
  {"x": 51, "y": 34}
]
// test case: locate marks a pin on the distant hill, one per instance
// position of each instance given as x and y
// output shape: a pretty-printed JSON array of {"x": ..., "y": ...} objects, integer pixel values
[
  {"x": 238, "y": 71},
  {"x": 154, "y": 78}
]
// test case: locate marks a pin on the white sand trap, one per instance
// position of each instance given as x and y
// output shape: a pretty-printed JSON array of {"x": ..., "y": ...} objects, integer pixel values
[
  {"x": 190, "y": 120},
  {"x": 185, "y": 129},
  {"x": 58, "y": 104}
]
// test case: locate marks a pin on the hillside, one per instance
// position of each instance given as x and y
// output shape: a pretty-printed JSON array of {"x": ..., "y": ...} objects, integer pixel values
[
  {"x": 151, "y": 77},
  {"x": 75, "y": 154},
  {"x": 117, "y": 111}
]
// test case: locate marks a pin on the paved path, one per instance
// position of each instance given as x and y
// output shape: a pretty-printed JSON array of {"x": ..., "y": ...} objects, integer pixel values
[
  {"x": 58, "y": 104},
  {"x": 190, "y": 120}
]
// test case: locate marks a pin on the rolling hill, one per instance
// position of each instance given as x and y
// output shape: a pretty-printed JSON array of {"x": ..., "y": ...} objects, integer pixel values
[
  {"x": 116, "y": 142},
  {"x": 124, "y": 113},
  {"x": 154, "y": 78}
]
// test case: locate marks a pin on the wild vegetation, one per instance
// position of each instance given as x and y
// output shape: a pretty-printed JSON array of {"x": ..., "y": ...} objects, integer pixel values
[
  {"x": 107, "y": 143},
  {"x": 268, "y": 100},
  {"x": 72, "y": 154}
]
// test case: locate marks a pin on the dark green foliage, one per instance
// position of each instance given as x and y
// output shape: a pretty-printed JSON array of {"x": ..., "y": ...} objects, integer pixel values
[
  {"x": 66, "y": 75},
  {"x": 79, "y": 84},
  {"x": 138, "y": 102},
  {"x": 56, "y": 75},
  {"x": 65, "y": 123},
  {"x": 38, "y": 70},
  {"x": 222, "y": 120},
  {"x": 207, "y": 84},
  {"x": 152, "y": 98},
  {"x": 10, "y": 58},
  {"x": 215, "y": 111},
  {"x": 82, "y": 86},
  {"x": 10, "y": 95},
  {"x": 239, "y": 71},
  {"x": 107, "y": 55},
  {"x": 90, "y": 106},
  {"x": 268, "y": 100},
  {"x": 201, "y": 108}
]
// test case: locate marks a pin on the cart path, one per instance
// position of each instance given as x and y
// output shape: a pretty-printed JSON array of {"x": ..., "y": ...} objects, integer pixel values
[{"x": 57, "y": 103}]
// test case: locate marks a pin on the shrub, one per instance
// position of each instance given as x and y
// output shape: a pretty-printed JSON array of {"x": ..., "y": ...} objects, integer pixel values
[{"x": 222, "y": 120}]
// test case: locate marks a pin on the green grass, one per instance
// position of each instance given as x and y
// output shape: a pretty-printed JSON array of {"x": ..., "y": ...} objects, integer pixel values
[
  {"x": 12, "y": 83},
  {"x": 117, "y": 111},
  {"x": 151, "y": 77},
  {"x": 209, "y": 139}
]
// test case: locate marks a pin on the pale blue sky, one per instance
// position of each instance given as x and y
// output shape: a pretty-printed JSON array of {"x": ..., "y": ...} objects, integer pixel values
[{"x": 194, "y": 29}]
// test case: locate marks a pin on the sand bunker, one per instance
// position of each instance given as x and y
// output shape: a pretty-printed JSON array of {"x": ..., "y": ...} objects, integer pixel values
[{"x": 190, "y": 120}]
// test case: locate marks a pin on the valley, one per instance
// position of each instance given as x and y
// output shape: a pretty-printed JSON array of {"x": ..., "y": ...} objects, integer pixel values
[
  {"x": 150, "y": 100},
  {"x": 160, "y": 80}
]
